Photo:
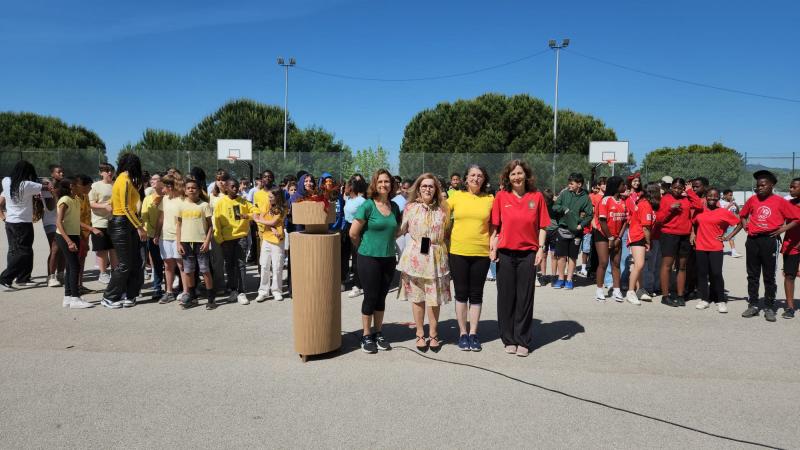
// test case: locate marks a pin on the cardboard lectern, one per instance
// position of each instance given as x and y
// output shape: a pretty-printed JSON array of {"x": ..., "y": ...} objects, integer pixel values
[{"x": 316, "y": 280}]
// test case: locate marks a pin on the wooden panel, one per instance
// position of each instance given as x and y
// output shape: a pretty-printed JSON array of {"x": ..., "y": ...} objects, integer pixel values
[
  {"x": 312, "y": 213},
  {"x": 316, "y": 296}
]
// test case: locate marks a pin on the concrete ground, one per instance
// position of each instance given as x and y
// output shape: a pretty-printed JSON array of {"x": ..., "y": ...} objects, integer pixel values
[{"x": 601, "y": 376}]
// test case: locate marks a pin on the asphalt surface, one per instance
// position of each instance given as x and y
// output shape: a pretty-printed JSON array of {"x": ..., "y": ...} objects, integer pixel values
[{"x": 601, "y": 376}]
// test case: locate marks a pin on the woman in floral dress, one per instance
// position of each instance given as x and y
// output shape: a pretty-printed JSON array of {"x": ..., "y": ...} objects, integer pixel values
[{"x": 423, "y": 264}]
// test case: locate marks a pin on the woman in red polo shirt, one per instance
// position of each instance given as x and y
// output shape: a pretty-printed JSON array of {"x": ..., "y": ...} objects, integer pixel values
[
  {"x": 612, "y": 220},
  {"x": 641, "y": 219},
  {"x": 519, "y": 217},
  {"x": 708, "y": 235}
]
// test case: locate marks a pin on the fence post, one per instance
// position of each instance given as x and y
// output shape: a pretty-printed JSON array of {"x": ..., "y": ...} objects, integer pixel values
[{"x": 792, "y": 165}]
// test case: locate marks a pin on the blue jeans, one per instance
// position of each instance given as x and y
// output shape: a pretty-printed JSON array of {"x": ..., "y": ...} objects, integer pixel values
[
  {"x": 158, "y": 266},
  {"x": 624, "y": 264},
  {"x": 651, "y": 277}
]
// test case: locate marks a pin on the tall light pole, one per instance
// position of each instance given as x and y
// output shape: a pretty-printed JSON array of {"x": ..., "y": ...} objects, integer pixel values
[
  {"x": 557, "y": 47},
  {"x": 286, "y": 66}
]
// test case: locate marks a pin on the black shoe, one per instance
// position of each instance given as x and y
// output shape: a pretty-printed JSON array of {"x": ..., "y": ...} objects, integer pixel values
[
  {"x": 381, "y": 342},
  {"x": 157, "y": 296},
  {"x": 211, "y": 305},
  {"x": 751, "y": 311},
  {"x": 788, "y": 313},
  {"x": 769, "y": 314},
  {"x": 668, "y": 300},
  {"x": 679, "y": 301},
  {"x": 368, "y": 345}
]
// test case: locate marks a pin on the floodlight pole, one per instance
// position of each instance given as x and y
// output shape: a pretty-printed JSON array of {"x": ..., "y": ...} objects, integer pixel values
[
  {"x": 281, "y": 62},
  {"x": 557, "y": 48}
]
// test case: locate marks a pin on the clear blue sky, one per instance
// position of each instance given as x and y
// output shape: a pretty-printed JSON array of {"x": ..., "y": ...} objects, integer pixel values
[{"x": 121, "y": 68}]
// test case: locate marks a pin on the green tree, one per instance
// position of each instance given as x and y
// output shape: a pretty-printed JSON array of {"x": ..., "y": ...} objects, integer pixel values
[
  {"x": 45, "y": 140},
  {"x": 240, "y": 119},
  {"x": 367, "y": 161},
  {"x": 158, "y": 149},
  {"x": 720, "y": 164}
]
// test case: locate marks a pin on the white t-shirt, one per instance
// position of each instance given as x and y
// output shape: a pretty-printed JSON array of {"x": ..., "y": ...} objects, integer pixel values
[{"x": 20, "y": 210}]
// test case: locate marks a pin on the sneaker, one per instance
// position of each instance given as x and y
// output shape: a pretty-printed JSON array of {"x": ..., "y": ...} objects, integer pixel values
[
  {"x": 618, "y": 295},
  {"x": 582, "y": 273},
  {"x": 569, "y": 285},
  {"x": 511, "y": 349},
  {"x": 169, "y": 297},
  {"x": 262, "y": 296},
  {"x": 176, "y": 282},
  {"x": 522, "y": 351},
  {"x": 600, "y": 295},
  {"x": 644, "y": 295},
  {"x": 66, "y": 301},
  {"x": 558, "y": 284},
  {"x": 751, "y": 311},
  {"x": 211, "y": 304},
  {"x": 27, "y": 283},
  {"x": 538, "y": 282},
  {"x": 53, "y": 281},
  {"x": 277, "y": 296},
  {"x": 79, "y": 303},
  {"x": 128, "y": 302},
  {"x": 233, "y": 296},
  {"x": 632, "y": 298},
  {"x": 368, "y": 345},
  {"x": 104, "y": 278},
  {"x": 242, "y": 299},
  {"x": 463, "y": 343},
  {"x": 474, "y": 343},
  {"x": 669, "y": 301},
  {"x": 680, "y": 301},
  {"x": 147, "y": 275},
  {"x": 60, "y": 277},
  {"x": 157, "y": 296},
  {"x": 110, "y": 304},
  {"x": 769, "y": 314},
  {"x": 722, "y": 307},
  {"x": 735, "y": 254},
  {"x": 355, "y": 292},
  {"x": 702, "y": 304},
  {"x": 788, "y": 313},
  {"x": 381, "y": 342}
]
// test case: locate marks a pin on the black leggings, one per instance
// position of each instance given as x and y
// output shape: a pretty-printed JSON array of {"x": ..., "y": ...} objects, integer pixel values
[
  {"x": 349, "y": 251},
  {"x": 469, "y": 275},
  {"x": 128, "y": 277},
  {"x": 376, "y": 275},
  {"x": 709, "y": 269},
  {"x": 71, "y": 277}
]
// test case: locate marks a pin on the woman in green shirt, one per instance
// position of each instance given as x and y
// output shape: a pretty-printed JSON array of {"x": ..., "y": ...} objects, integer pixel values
[{"x": 373, "y": 232}]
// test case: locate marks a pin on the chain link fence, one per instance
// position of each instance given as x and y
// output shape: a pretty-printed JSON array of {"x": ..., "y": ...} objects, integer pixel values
[{"x": 73, "y": 161}]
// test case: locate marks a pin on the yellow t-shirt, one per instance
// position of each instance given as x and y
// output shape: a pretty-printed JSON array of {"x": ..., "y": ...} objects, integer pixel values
[
  {"x": 226, "y": 226},
  {"x": 267, "y": 234},
  {"x": 470, "y": 236},
  {"x": 72, "y": 216},
  {"x": 171, "y": 208},
  {"x": 151, "y": 208},
  {"x": 100, "y": 193},
  {"x": 125, "y": 199},
  {"x": 261, "y": 200},
  {"x": 193, "y": 220}
]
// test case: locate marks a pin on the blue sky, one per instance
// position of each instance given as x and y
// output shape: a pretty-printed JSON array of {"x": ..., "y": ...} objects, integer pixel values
[{"x": 121, "y": 68}]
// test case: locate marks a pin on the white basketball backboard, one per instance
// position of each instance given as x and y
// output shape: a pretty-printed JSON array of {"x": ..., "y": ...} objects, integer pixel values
[
  {"x": 605, "y": 151},
  {"x": 241, "y": 149}
]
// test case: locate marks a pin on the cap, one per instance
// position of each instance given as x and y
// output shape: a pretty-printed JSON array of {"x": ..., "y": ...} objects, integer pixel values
[
  {"x": 634, "y": 176},
  {"x": 666, "y": 179},
  {"x": 765, "y": 174}
]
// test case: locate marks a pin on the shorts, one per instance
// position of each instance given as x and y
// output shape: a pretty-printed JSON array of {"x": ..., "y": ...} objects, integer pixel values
[
  {"x": 673, "y": 245},
  {"x": 168, "y": 250},
  {"x": 192, "y": 256},
  {"x": 551, "y": 239},
  {"x": 568, "y": 247},
  {"x": 103, "y": 242},
  {"x": 639, "y": 243},
  {"x": 586, "y": 245},
  {"x": 790, "y": 263},
  {"x": 597, "y": 236}
]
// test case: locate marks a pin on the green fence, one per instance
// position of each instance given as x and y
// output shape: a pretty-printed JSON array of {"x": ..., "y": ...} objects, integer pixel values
[{"x": 73, "y": 161}]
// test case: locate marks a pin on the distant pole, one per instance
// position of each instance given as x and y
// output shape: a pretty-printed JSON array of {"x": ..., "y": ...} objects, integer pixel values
[
  {"x": 792, "y": 165},
  {"x": 557, "y": 47},
  {"x": 281, "y": 62}
]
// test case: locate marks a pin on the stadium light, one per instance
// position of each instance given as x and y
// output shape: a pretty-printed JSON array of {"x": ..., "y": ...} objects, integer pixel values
[{"x": 281, "y": 62}]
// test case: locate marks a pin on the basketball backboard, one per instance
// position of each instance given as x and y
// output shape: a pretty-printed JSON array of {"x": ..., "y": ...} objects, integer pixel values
[
  {"x": 241, "y": 149},
  {"x": 605, "y": 151}
]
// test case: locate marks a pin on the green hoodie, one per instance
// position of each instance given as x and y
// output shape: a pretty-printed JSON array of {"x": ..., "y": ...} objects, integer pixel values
[{"x": 568, "y": 209}]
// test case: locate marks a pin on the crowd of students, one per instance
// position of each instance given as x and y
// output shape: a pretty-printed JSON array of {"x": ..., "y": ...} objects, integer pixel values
[{"x": 191, "y": 239}]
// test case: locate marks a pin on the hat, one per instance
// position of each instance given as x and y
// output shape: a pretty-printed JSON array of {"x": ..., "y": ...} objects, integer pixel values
[
  {"x": 666, "y": 179},
  {"x": 765, "y": 174},
  {"x": 634, "y": 176}
]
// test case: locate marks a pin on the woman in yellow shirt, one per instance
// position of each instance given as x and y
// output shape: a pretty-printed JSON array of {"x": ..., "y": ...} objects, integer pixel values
[
  {"x": 469, "y": 252},
  {"x": 127, "y": 234}
]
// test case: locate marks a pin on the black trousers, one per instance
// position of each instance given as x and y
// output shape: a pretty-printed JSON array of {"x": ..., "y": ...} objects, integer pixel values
[
  {"x": 128, "y": 278},
  {"x": 73, "y": 271},
  {"x": 376, "y": 275},
  {"x": 234, "y": 252},
  {"x": 469, "y": 276},
  {"x": 761, "y": 256},
  {"x": 710, "y": 283},
  {"x": 348, "y": 254},
  {"x": 158, "y": 266},
  {"x": 515, "y": 289},
  {"x": 20, "y": 253}
]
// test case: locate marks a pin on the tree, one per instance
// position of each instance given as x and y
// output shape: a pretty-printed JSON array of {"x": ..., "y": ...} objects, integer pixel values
[
  {"x": 492, "y": 129},
  {"x": 367, "y": 161},
  {"x": 45, "y": 140},
  {"x": 158, "y": 149},
  {"x": 240, "y": 119},
  {"x": 720, "y": 164}
]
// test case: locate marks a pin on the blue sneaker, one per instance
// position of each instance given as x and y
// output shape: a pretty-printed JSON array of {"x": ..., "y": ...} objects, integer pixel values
[
  {"x": 463, "y": 343},
  {"x": 569, "y": 284},
  {"x": 558, "y": 284},
  {"x": 474, "y": 343}
]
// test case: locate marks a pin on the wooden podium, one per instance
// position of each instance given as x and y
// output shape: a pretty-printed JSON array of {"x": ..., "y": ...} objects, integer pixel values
[{"x": 316, "y": 281}]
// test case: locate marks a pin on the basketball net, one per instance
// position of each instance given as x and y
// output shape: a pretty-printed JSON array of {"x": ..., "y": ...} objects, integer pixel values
[{"x": 232, "y": 159}]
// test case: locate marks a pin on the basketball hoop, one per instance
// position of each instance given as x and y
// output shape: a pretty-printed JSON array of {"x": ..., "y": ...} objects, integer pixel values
[
  {"x": 232, "y": 159},
  {"x": 610, "y": 162}
]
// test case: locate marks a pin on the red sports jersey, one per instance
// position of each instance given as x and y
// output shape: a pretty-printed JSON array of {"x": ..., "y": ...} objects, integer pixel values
[
  {"x": 640, "y": 217},
  {"x": 769, "y": 214},
  {"x": 519, "y": 219},
  {"x": 615, "y": 213},
  {"x": 595, "y": 199},
  {"x": 711, "y": 224},
  {"x": 678, "y": 222},
  {"x": 792, "y": 237}
]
